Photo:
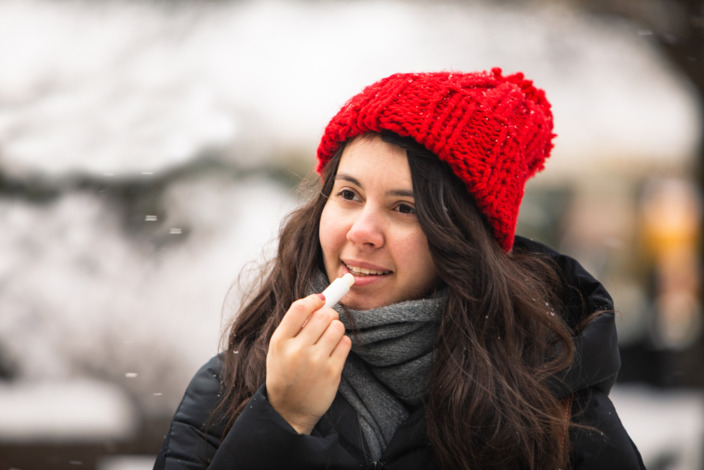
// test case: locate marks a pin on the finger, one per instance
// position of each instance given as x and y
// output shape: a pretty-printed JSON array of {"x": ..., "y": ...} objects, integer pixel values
[
  {"x": 317, "y": 324},
  {"x": 331, "y": 336},
  {"x": 341, "y": 351},
  {"x": 298, "y": 314}
]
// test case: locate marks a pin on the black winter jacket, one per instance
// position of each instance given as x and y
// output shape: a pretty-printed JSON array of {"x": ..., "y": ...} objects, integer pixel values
[{"x": 262, "y": 439}]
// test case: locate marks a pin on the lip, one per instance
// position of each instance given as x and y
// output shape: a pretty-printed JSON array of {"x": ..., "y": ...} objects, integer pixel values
[
  {"x": 365, "y": 265},
  {"x": 369, "y": 279}
]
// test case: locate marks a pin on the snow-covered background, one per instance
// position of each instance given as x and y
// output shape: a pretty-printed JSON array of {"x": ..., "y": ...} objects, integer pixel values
[
  {"x": 148, "y": 151},
  {"x": 120, "y": 86}
]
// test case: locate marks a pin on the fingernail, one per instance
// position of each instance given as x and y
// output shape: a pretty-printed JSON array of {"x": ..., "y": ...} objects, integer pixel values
[{"x": 321, "y": 297}]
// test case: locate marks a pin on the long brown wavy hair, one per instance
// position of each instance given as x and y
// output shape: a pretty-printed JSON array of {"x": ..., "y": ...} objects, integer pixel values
[{"x": 501, "y": 338}]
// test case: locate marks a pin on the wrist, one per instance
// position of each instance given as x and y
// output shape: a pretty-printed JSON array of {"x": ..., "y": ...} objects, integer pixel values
[{"x": 300, "y": 423}]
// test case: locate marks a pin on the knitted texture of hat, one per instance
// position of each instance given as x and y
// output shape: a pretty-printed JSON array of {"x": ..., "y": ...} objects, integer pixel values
[{"x": 495, "y": 132}]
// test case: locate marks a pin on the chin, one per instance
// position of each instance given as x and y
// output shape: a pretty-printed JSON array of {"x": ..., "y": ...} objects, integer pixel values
[{"x": 364, "y": 304}]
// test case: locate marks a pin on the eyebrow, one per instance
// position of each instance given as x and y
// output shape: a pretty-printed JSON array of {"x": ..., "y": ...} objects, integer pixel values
[{"x": 355, "y": 181}]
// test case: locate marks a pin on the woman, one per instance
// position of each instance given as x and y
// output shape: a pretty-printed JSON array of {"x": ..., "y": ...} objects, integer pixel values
[{"x": 459, "y": 346}]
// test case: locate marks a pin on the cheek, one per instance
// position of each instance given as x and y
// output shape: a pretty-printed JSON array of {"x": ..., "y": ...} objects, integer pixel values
[
  {"x": 421, "y": 268},
  {"x": 329, "y": 232}
]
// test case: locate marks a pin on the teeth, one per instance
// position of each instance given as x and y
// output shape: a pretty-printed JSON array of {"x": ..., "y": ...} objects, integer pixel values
[{"x": 357, "y": 271}]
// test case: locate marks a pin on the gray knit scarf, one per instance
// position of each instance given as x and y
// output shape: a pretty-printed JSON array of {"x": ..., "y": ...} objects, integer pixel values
[{"x": 386, "y": 373}]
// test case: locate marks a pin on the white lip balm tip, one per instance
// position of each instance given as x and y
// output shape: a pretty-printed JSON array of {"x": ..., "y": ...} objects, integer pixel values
[
  {"x": 349, "y": 279},
  {"x": 337, "y": 289}
]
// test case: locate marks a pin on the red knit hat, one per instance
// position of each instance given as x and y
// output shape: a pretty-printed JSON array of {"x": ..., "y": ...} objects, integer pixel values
[{"x": 494, "y": 131}]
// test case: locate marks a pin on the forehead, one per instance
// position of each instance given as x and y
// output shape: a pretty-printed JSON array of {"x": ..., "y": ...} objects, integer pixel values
[{"x": 369, "y": 155}]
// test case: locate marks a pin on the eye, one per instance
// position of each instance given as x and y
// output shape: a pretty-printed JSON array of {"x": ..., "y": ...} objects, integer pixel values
[
  {"x": 406, "y": 208},
  {"x": 347, "y": 194}
]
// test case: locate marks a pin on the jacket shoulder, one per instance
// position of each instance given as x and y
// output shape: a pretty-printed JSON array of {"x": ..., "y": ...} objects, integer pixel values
[
  {"x": 202, "y": 394},
  {"x": 194, "y": 435},
  {"x": 597, "y": 359}
]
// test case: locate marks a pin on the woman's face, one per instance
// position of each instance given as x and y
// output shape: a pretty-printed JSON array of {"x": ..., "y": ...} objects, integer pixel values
[{"x": 369, "y": 227}]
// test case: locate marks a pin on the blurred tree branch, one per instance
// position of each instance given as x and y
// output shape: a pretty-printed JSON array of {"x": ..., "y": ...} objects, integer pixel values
[{"x": 678, "y": 28}]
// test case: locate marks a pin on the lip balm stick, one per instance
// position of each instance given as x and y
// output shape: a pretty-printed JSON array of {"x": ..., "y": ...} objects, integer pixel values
[{"x": 337, "y": 289}]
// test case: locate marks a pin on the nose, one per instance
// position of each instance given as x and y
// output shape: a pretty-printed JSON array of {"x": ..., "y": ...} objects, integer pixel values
[{"x": 367, "y": 228}]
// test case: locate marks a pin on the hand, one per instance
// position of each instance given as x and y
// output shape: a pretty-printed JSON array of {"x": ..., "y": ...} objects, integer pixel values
[{"x": 304, "y": 363}]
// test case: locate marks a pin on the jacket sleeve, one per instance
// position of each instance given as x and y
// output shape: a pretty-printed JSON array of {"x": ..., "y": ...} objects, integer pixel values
[
  {"x": 262, "y": 439},
  {"x": 259, "y": 439},
  {"x": 599, "y": 440}
]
